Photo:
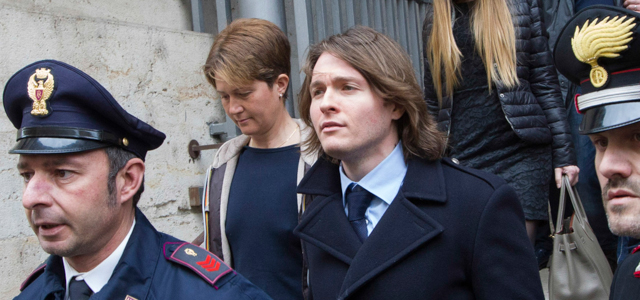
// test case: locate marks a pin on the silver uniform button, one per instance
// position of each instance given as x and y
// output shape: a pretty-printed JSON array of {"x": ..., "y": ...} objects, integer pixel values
[{"x": 455, "y": 160}]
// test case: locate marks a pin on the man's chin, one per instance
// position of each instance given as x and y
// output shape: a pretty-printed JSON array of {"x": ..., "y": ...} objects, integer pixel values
[
  {"x": 335, "y": 152},
  {"x": 56, "y": 248},
  {"x": 625, "y": 227}
]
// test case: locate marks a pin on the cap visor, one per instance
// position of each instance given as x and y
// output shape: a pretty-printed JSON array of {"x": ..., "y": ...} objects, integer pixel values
[
  {"x": 610, "y": 116},
  {"x": 48, "y": 145}
]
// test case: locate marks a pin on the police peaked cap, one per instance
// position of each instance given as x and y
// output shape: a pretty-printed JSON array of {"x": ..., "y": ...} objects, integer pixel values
[
  {"x": 599, "y": 50},
  {"x": 60, "y": 109}
]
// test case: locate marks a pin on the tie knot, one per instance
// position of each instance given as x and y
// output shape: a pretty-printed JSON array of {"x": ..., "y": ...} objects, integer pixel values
[
  {"x": 356, "y": 187},
  {"x": 79, "y": 290},
  {"x": 358, "y": 200}
]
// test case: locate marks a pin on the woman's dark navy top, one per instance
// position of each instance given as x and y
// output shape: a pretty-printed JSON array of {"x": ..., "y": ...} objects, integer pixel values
[{"x": 261, "y": 215}]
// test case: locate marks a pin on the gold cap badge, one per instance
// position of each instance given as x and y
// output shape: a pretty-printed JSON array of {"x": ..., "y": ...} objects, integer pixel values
[
  {"x": 40, "y": 87},
  {"x": 601, "y": 39}
]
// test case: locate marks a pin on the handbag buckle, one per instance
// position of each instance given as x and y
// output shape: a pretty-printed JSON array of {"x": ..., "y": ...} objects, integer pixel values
[{"x": 572, "y": 246}]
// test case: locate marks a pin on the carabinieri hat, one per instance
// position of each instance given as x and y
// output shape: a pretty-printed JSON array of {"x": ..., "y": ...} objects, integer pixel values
[
  {"x": 60, "y": 109},
  {"x": 599, "y": 50}
]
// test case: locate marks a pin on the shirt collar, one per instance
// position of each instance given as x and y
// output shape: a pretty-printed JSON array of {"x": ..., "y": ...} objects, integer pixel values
[
  {"x": 384, "y": 180},
  {"x": 98, "y": 277}
]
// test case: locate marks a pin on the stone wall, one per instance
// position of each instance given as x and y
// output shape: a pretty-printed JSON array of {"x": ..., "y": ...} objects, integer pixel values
[{"x": 144, "y": 53}]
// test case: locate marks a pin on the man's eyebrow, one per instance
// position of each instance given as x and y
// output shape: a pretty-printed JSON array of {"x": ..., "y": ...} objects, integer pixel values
[
  {"x": 337, "y": 78},
  {"x": 57, "y": 162},
  {"x": 315, "y": 83},
  {"x": 344, "y": 78},
  {"x": 49, "y": 164}
]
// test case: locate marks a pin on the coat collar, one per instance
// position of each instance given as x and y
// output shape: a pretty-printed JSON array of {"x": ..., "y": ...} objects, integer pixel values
[
  {"x": 404, "y": 227},
  {"x": 137, "y": 264},
  {"x": 54, "y": 280},
  {"x": 424, "y": 180}
]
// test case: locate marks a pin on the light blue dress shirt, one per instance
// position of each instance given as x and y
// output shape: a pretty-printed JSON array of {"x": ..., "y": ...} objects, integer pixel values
[{"x": 384, "y": 182}]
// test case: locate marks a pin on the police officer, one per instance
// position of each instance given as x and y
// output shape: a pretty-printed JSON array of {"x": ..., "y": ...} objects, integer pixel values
[
  {"x": 599, "y": 49},
  {"x": 82, "y": 160}
]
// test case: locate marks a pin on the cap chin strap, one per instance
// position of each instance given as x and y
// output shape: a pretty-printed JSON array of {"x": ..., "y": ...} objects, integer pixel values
[
  {"x": 608, "y": 96},
  {"x": 71, "y": 132}
]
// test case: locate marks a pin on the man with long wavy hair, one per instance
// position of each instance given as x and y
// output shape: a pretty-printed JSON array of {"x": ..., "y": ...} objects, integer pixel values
[{"x": 386, "y": 217}]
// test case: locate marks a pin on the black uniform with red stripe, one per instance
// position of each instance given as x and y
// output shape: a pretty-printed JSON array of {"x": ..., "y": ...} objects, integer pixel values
[
  {"x": 626, "y": 282},
  {"x": 599, "y": 49},
  {"x": 154, "y": 265}
]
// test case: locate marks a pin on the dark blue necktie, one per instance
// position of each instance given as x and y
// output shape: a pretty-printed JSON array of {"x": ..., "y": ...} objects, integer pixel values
[
  {"x": 79, "y": 290},
  {"x": 358, "y": 200}
]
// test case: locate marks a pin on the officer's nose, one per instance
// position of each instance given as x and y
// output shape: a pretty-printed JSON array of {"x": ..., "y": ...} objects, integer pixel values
[
  {"x": 37, "y": 192},
  {"x": 615, "y": 162}
]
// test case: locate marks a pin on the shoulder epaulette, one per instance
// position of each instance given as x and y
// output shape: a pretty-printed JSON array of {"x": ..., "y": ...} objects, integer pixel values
[
  {"x": 33, "y": 276},
  {"x": 204, "y": 263}
]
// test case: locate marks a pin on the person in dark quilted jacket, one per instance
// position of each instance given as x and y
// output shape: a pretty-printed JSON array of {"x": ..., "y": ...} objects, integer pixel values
[{"x": 492, "y": 86}]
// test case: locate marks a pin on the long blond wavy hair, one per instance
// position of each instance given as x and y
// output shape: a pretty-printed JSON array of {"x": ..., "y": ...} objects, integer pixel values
[{"x": 495, "y": 40}]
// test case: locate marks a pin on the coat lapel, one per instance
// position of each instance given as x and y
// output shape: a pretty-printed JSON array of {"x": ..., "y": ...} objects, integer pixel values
[
  {"x": 326, "y": 227},
  {"x": 404, "y": 227},
  {"x": 325, "y": 224}
]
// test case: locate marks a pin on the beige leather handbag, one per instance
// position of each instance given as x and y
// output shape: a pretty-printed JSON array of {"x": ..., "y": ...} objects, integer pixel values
[{"x": 578, "y": 269}]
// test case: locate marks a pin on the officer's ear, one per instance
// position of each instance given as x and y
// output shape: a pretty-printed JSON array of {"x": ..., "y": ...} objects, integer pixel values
[{"x": 129, "y": 179}]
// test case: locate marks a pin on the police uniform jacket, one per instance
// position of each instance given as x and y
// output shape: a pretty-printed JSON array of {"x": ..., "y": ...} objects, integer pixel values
[
  {"x": 451, "y": 233},
  {"x": 154, "y": 265},
  {"x": 218, "y": 185}
]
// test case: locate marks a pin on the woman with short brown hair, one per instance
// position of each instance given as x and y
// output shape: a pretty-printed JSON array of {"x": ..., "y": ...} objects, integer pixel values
[{"x": 251, "y": 206}]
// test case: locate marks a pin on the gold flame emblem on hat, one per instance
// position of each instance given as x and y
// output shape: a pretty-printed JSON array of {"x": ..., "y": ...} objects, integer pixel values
[
  {"x": 601, "y": 39},
  {"x": 40, "y": 88}
]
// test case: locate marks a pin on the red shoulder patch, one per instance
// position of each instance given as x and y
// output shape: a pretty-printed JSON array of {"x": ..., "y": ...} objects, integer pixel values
[
  {"x": 204, "y": 263},
  {"x": 35, "y": 274}
]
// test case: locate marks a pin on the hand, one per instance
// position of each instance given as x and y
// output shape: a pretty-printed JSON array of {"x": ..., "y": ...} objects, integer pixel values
[
  {"x": 633, "y": 5},
  {"x": 571, "y": 171}
]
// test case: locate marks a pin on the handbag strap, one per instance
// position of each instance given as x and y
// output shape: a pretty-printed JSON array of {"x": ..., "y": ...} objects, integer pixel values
[
  {"x": 578, "y": 208},
  {"x": 561, "y": 206},
  {"x": 552, "y": 229}
]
